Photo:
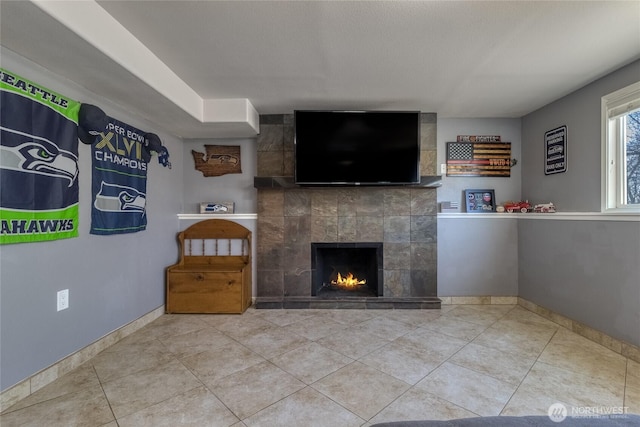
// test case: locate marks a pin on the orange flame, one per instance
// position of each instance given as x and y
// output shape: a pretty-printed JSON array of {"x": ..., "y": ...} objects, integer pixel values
[{"x": 348, "y": 281}]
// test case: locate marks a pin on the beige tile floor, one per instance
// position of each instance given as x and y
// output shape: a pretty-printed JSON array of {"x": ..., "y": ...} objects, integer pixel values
[{"x": 335, "y": 368}]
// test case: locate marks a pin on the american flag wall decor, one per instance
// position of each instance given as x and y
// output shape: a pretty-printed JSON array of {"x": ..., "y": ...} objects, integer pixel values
[{"x": 479, "y": 159}]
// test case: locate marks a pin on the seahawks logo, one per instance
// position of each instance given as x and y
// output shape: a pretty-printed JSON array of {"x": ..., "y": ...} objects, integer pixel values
[
  {"x": 37, "y": 155},
  {"x": 119, "y": 198}
]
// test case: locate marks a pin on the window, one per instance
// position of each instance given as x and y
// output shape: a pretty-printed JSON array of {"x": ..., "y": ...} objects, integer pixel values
[{"x": 621, "y": 150}]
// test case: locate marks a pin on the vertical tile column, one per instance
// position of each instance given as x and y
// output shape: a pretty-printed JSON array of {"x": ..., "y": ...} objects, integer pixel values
[{"x": 270, "y": 226}]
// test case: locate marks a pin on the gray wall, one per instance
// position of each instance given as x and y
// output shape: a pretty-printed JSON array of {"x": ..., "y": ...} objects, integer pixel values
[
  {"x": 453, "y": 186},
  {"x": 586, "y": 270},
  {"x": 112, "y": 280},
  {"x": 578, "y": 189},
  {"x": 478, "y": 256},
  {"x": 236, "y": 188}
]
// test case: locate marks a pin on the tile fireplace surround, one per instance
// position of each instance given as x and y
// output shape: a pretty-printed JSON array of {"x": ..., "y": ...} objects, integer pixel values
[{"x": 290, "y": 218}]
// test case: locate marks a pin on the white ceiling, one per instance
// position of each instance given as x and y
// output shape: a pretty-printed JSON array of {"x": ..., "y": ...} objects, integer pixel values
[{"x": 174, "y": 61}]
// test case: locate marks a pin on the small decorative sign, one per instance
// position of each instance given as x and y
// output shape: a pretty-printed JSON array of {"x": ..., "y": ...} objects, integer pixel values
[
  {"x": 479, "y": 201},
  {"x": 218, "y": 160},
  {"x": 479, "y": 138},
  {"x": 555, "y": 149},
  {"x": 449, "y": 207},
  {"x": 217, "y": 208}
]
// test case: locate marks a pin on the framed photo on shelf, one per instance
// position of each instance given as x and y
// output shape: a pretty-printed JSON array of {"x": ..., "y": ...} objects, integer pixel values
[
  {"x": 479, "y": 201},
  {"x": 217, "y": 208}
]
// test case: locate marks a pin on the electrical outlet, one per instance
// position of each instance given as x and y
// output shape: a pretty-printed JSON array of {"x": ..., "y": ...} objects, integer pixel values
[
  {"x": 63, "y": 299},
  {"x": 443, "y": 168}
]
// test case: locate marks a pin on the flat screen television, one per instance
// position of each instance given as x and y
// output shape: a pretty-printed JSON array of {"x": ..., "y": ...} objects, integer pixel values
[{"x": 357, "y": 147}]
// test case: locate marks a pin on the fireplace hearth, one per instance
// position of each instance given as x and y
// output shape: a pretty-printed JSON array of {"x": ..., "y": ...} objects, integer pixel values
[{"x": 341, "y": 270}]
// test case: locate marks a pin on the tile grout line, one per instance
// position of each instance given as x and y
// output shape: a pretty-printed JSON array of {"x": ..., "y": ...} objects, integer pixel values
[
  {"x": 196, "y": 377},
  {"x": 411, "y": 386},
  {"x": 529, "y": 371},
  {"x": 357, "y": 360},
  {"x": 310, "y": 386},
  {"x": 624, "y": 387},
  {"x": 265, "y": 359},
  {"x": 104, "y": 393},
  {"x": 472, "y": 341}
]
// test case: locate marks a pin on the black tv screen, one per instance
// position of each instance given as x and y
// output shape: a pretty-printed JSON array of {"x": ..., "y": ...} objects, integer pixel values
[{"x": 357, "y": 147}]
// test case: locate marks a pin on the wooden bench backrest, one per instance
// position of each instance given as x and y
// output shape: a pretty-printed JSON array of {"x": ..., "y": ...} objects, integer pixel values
[{"x": 214, "y": 240}]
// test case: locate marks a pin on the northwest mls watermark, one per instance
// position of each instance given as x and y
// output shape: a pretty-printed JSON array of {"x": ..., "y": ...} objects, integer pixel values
[{"x": 559, "y": 412}]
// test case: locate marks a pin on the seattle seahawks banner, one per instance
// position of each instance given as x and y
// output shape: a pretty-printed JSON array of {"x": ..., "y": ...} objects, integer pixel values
[
  {"x": 38, "y": 162},
  {"x": 119, "y": 180}
]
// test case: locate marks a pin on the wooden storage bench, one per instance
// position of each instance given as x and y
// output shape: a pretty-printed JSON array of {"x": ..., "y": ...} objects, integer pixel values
[{"x": 213, "y": 274}]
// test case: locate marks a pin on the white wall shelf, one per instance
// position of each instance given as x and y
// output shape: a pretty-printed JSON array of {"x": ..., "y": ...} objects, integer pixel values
[
  {"x": 233, "y": 216},
  {"x": 566, "y": 216}
]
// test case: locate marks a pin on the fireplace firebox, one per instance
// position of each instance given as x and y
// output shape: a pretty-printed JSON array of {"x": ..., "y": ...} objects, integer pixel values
[{"x": 346, "y": 270}]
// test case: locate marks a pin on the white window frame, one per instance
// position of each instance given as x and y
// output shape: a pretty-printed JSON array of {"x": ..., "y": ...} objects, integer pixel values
[{"x": 614, "y": 106}]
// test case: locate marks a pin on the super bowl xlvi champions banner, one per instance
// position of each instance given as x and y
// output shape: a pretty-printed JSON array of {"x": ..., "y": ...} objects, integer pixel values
[
  {"x": 38, "y": 162},
  {"x": 119, "y": 184}
]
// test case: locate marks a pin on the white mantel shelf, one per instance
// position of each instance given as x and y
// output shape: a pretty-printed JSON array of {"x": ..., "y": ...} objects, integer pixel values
[
  {"x": 566, "y": 216},
  {"x": 219, "y": 216}
]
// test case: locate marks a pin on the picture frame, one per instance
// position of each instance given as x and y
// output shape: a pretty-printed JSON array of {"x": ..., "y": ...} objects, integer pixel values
[
  {"x": 480, "y": 200},
  {"x": 216, "y": 208}
]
